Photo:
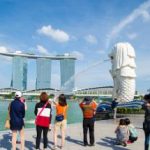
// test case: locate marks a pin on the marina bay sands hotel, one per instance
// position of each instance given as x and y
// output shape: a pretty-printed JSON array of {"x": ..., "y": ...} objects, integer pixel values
[{"x": 43, "y": 70}]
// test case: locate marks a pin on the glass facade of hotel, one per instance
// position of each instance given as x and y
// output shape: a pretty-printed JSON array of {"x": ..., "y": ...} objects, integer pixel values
[
  {"x": 67, "y": 71},
  {"x": 19, "y": 73},
  {"x": 43, "y": 79}
]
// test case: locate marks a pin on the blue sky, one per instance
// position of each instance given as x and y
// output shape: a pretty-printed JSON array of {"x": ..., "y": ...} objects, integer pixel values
[{"x": 85, "y": 28}]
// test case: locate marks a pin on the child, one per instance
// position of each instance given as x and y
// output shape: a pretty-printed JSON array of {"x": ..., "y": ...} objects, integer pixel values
[
  {"x": 122, "y": 133},
  {"x": 132, "y": 131}
]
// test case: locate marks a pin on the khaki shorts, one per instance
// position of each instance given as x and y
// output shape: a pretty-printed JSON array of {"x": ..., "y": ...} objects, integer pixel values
[{"x": 60, "y": 124}]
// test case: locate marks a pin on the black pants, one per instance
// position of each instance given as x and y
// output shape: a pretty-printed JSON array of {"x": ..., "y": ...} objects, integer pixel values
[
  {"x": 132, "y": 139},
  {"x": 147, "y": 140},
  {"x": 88, "y": 124},
  {"x": 39, "y": 130}
]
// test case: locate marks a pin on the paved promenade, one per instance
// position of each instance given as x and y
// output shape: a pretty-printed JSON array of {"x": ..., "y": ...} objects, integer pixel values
[{"x": 104, "y": 137}]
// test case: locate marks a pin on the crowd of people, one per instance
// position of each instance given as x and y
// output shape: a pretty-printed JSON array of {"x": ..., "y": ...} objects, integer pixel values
[{"x": 126, "y": 133}]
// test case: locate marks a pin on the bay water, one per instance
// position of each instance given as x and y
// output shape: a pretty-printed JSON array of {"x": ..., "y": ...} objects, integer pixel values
[{"x": 74, "y": 113}]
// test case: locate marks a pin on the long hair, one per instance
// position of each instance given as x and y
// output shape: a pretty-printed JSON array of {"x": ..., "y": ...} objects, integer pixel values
[
  {"x": 127, "y": 120},
  {"x": 62, "y": 100},
  {"x": 44, "y": 97},
  {"x": 147, "y": 98},
  {"x": 122, "y": 122}
]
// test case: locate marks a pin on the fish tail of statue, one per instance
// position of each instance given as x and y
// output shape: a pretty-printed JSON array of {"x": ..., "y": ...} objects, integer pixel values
[{"x": 127, "y": 90}]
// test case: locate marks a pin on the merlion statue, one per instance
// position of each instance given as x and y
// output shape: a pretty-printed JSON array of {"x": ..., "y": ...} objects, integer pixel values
[{"x": 123, "y": 72}]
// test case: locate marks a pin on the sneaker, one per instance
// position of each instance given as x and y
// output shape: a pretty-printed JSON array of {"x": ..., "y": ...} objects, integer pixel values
[
  {"x": 92, "y": 145},
  {"x": 54, "y": 147},
  {"x": 117, "y": 143},
  {"x": 85, "y": 144},
  {"x": 124, "y": 144}
]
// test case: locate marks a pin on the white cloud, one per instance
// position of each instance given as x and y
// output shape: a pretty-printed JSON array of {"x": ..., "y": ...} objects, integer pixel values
[
  {"x": 3, "y": 49},
  {"x": 132, "y": 36},
  {"x": 146, "y": 15},
  {"x": 18, "y": 52},
  {"x": 78, "y": 54},
  {"x": 141, "y": 11},
  {"x": 42, "y": 50},
  {"x": 91, "y": 39},
  {"x": 56, "y": 34},
  {"x": 5, "y": 59}
]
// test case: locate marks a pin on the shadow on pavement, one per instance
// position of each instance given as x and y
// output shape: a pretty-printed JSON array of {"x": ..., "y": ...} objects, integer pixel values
[
  {"x": 69, "y": 139},
  {"x": 30, "y": 145},
  {"x": 109, "y": 142},
  {"x": 5, "y": 142}
]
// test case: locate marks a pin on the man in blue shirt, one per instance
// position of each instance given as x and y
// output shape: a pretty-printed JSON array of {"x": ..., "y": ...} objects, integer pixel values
[{"x": 17, "y": 113}]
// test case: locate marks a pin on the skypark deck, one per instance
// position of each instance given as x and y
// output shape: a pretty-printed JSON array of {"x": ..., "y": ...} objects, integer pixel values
[{"x": 33, "y": 56}]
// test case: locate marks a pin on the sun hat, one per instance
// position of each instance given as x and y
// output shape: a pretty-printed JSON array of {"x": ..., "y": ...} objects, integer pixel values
[{"x": 18, "y": 94}]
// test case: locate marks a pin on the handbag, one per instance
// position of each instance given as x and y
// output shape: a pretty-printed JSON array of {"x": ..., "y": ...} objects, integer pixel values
[
  {"x": 59, "y": 118},
  {"x": 7, "y": 124},
  {"x": 42, "y": 121}
]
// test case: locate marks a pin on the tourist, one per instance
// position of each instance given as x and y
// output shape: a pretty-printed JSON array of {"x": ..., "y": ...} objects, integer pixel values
[
  {"x": 17, "y": 113},
  {"x": 43, "y": 119},
  {"x": 60, "y": 119},
  {"x": 122, "y": 133},
  {"x": 146, "y": 123},
  {"x": 133, "y": 135},
  {"x": 22, "y": 99},
  {"x": 88, "y": 107},
  {"x": 114, "y": 107}
]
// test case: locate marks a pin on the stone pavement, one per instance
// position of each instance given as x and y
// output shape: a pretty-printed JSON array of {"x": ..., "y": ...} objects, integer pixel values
[{"x": 104, "y": 137}]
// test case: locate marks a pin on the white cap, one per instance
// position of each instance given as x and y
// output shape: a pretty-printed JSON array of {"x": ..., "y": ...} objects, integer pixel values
[{"x": 18, "y": 94}]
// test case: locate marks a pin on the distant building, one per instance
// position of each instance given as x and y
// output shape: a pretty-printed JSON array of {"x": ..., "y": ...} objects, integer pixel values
[
  {"x": 43, "y": 79},
  {"x": 19, "y": 73},
  {"x": 11, "y": 91},
  {"x": 49, "y": 91},
  {"x": 99, "y": 91},
  {"x": 67, "y": 71},
  {"x": 7, "y": 91}
]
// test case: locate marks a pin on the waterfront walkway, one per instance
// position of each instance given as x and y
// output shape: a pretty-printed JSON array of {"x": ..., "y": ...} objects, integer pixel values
[{"x": 104, "y": 137}]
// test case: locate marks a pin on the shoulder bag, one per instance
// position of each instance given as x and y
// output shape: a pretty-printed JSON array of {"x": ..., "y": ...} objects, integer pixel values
[{"x": 42, "y": 121}]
